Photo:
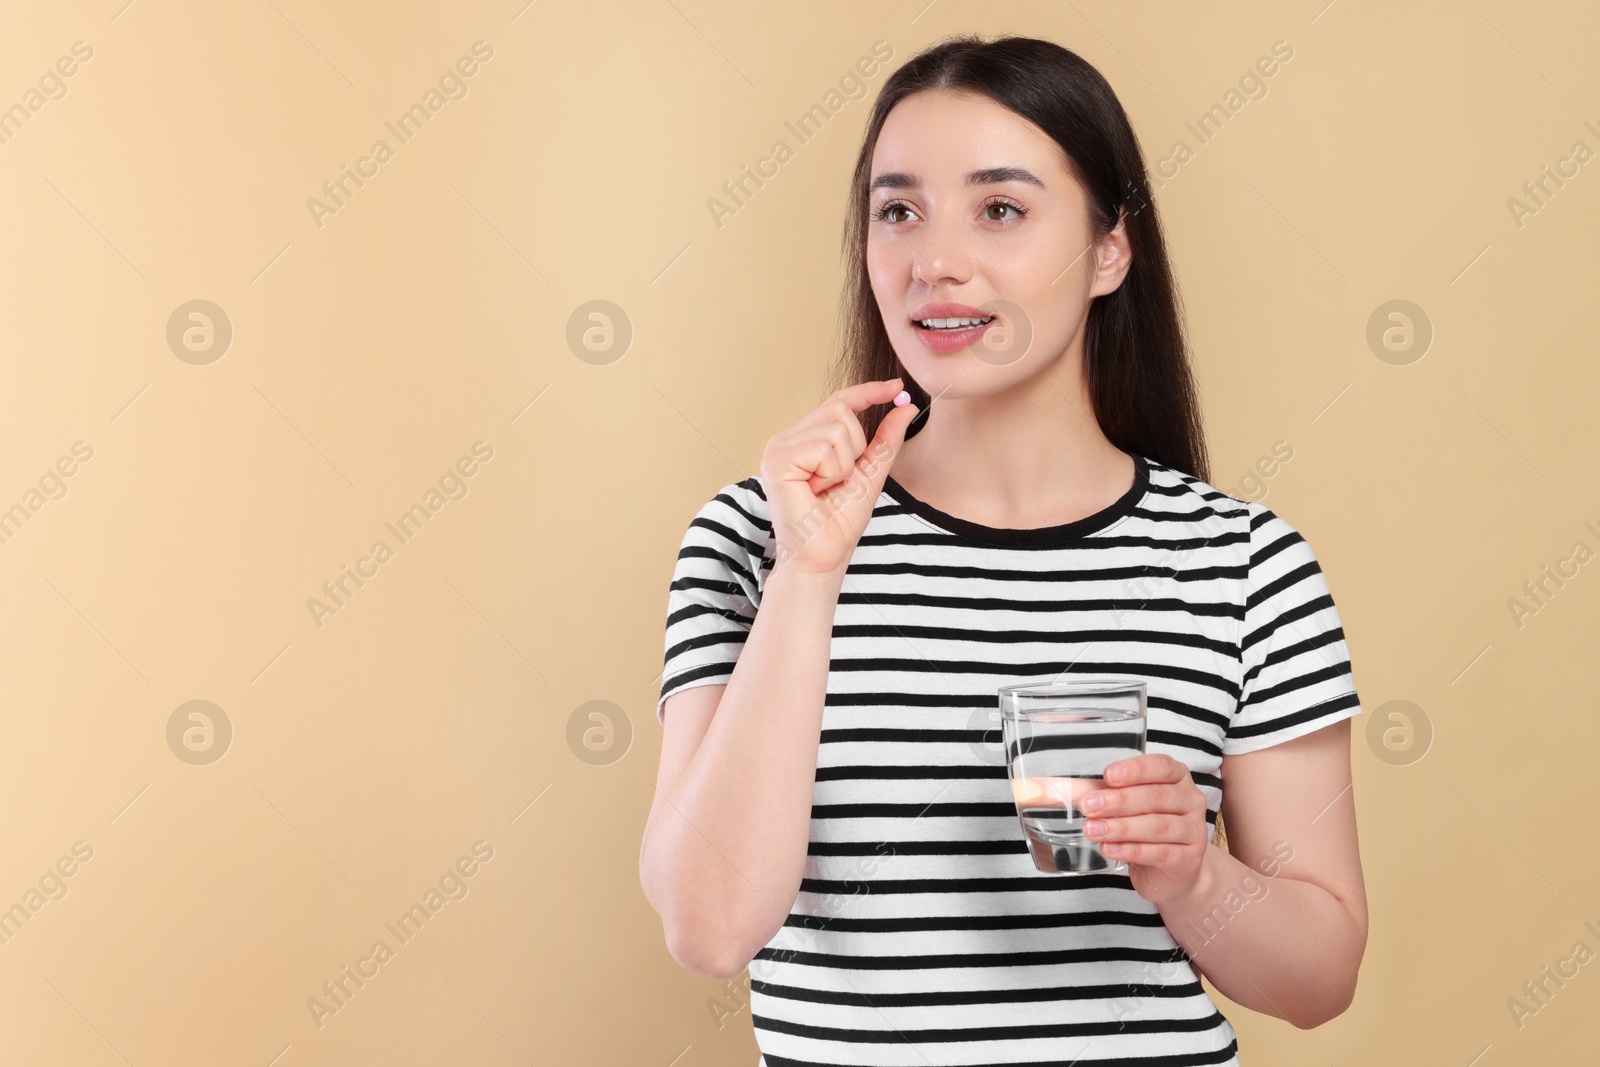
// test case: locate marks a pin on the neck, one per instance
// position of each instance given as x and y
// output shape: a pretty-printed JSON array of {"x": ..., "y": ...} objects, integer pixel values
[{"x": 1026, "y": 457}]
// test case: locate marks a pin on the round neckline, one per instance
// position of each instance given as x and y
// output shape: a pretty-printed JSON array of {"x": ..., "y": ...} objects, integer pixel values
[{"x": 1039, "y": 536}]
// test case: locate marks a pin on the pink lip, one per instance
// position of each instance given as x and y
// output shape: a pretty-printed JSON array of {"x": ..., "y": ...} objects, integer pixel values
[
  {"x": 947, "y": 311},
  {"x": 950, "y": 340}
]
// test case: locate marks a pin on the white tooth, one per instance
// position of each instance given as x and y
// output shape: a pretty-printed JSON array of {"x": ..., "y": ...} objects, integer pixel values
[{"x": 953, "y": 323}]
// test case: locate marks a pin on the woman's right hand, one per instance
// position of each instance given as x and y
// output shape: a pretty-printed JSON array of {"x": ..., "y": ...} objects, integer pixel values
[{"x": 823, "y": 480}]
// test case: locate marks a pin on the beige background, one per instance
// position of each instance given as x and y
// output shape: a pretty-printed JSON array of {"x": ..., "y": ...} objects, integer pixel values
[{"x": 431, "y": 311}]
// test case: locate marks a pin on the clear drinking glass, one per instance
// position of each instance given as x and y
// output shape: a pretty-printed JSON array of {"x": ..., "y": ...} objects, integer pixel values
[{"x": 1058, "y": 738}]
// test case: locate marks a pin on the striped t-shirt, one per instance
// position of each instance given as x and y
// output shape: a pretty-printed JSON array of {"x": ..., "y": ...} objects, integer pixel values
[{"x": 923, "y": 935}]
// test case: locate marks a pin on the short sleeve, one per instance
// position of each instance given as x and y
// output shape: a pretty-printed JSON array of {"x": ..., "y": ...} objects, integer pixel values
[
  {"x": 1297, "y": 671},
  {"x": 716, "y": 588}
]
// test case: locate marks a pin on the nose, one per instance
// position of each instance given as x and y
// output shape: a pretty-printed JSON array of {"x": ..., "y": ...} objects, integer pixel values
[{"x": 940, "y": 252}]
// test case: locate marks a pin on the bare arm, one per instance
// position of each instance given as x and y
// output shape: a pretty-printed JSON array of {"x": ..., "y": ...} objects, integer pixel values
[
  {"x": 1279, "y": 922},
  {"x": 725, "y": 844}
]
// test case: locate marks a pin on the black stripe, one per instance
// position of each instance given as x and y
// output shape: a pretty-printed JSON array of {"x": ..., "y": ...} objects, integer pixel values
[
  {"x": 972, "y": 809},
  {"x": 1289, "y": 580},
  {"x": 995, "y": 603},
  {"x": 944, "y": 998},
  {"x": 1022, "y": 1032},
  {"x": 1186, "y": 1059},
  {"x": 1041, "y": 883},
  {"x": 727, "y": 533},
  {"x": 1098, "y": 544},
  {"x": 1288, "y": 618},
  {"x": 1300, "y": 681},
  {"x": 1283, "y": 722},
  {"x": 677, "y": 681},
  {"x": 953, "y": 960},
  {"x": 967, "y": 809},
  {"x": 1051, "y": 920},
  {"x": 719, "y": 558},
  {"x": 1044, "y": 670},
  {"x": 1289, "y": 652},
  {"x": 1032, "y": 576},
  {"x": 757, "y": 522},
  {"x": 1013, "y": 636},
  {"x": 726, "y": 637}
]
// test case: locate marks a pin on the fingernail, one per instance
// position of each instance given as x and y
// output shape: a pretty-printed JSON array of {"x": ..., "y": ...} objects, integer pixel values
[
  {"x": 1093, "y": 802},
  {"x": 1116, "y": 774},
  {"x": 1095, "y": 827}
]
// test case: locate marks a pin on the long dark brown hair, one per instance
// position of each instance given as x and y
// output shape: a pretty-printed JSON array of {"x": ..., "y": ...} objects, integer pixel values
[
  {"x": 1136, "y": 356},
  {"x": 1137, "y": 360}
]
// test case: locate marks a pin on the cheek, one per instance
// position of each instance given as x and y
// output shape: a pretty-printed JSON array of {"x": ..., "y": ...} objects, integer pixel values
[
  {"x": 1051, "y": 257},
  {"x": 889, "y": 277},
  {"x": 1054, "y": 312},
  {"x": 1049, "y": 275},
  {"x": 887, "y": 264},
  {"x": 1060, "y": 314}
]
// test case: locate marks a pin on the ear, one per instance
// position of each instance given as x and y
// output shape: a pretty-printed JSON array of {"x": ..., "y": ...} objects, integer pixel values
[{"x": 1115, "y": 257}]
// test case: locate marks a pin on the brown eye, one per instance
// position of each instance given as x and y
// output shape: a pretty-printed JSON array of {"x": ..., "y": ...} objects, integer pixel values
[
  {"x": 882, "y": 212},
  {"x": 991, "y": 205}
]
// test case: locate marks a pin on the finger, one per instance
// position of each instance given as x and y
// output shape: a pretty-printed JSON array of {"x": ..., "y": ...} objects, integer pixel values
[
  {"x": 812, "y": 461},
  {"x": 832, "y": 416},
  {"x": 835, "y": 421},
  {"x": 1027, "y": 790},
  {"x": 837, "y": 466},
  {"x": 842, "y": 407},
  {"x": 1135, "y": 799},
  {"x": 1151, "y": 767},
  {"x": 855, "y": 436},
  {"x": 1143, "y": 853},
  {"x": 849, "y": 440},
  {"x": 1032, "y": 790},
  {"x": 1152, "y": 828},
  {"x": 1043, "y": 791},
  {"x": 886, "y": 444},
  {"x": 831, "y": 460},
  {"x": 863, "y": 395}
]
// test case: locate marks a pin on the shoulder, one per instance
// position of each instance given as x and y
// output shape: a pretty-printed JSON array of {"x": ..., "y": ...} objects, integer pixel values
[
  {"x": 1283, "y": 570},
  {"x": 1178, "y": 495},
  {"x": 1268, "y": 544},
  {"x": 736, "y": 514},
  {"x": 1271, "y": 535},
  {"x": 744, "y": 502}
]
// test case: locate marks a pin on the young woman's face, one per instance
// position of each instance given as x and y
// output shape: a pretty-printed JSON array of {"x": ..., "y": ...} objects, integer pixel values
[{"x": 973, "y": 205}]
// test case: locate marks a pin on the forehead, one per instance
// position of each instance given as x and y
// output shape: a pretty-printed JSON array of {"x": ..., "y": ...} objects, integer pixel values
[{"x": 939, "y": 137}]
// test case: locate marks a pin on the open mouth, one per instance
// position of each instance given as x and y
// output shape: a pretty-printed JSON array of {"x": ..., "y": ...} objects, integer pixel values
[{"x": 952, "y": 325}]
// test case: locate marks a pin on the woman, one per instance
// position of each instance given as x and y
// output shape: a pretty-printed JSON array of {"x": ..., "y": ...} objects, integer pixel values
[{"x": 827, "y": 812}]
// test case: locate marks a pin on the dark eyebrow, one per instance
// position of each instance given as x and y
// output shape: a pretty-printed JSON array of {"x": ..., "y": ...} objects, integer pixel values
[{"x": 990, "y": 176}]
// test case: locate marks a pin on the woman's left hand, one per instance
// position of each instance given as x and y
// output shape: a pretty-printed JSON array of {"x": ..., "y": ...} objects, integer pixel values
[{"x": 1153, "y": 817}]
